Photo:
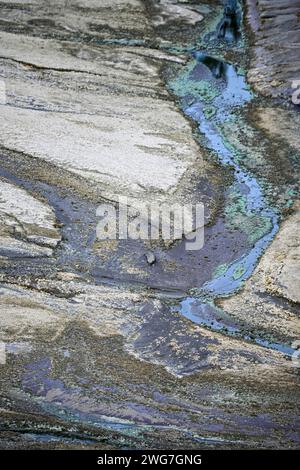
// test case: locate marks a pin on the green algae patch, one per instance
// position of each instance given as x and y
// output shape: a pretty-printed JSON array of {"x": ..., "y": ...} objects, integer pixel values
[
  {"x": 241, "y": 71},
  {"x": 239, "y": 272},
  {"x": 235, "y": 208},
  {"x": 220, "y": 270},
  {"x": 260, "y": 226},
  {"x": 238, "y": 218},
  {"x": 209, "y": 112},
  {"x": 241, "y": 140},
  {"x": 184, "y": 86},
  {"x": 289, "y": 197}
]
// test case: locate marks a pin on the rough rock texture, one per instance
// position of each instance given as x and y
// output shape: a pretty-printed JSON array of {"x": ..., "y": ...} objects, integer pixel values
[
  {"x": 275, "y": 62},
  {"x": 93, "y": 353},
  {"x": 127, "y": 106},
  {"x": 280, "y": 123},
  {"x": 83, "y": 355},
  {"x": 170, "y": 10},
  {"x": 28, "y": 219},
  {"x": 27, "y": 215}
]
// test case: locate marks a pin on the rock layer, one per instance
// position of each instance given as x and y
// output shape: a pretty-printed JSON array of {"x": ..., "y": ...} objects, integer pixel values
[{"x": 275, "y": 59}]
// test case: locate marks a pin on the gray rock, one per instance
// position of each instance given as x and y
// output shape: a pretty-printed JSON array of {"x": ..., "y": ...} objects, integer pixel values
[{"x": 150, "y": 257}]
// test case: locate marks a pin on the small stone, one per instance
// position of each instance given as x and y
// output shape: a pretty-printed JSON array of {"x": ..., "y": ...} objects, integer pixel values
[
  {"x": 150, "y": 257},
  {"x": 65, "y": 276}
]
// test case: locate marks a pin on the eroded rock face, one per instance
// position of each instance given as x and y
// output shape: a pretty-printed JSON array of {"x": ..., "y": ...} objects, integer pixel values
[
  {"x": 25, "y": 220},
  {"x": 275, "y": 46},
  {"x": 94, "y": 352},
  {"x": 107, "y": 356}
]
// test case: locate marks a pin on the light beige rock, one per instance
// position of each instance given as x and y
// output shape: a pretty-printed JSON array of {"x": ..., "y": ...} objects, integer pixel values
[
  {"x": 171, "y": 10},
  {"x": 12, "y": 248},
  {"x": 280, "y": 123},
  {"x": 19, "y": 321},
  {"x": 29, "y": 218},
  {"x": 138, "y": 143},
  {"x": 280, "y": 266}
]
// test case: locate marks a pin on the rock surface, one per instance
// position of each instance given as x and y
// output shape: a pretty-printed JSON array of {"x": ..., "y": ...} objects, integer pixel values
[
  {"x": 59, "y": 126},
  {"x": 94, "y": 351},
  {"x": 275, "y": 45},
  {"x": 28, "y": 219}
]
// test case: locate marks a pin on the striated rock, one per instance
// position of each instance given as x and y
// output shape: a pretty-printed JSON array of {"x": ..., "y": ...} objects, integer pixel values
[
  {"x": 128, "y": 109},
  {"x": 115, "y": 357},
  {"x": 11, "y": 248},
  {"x": 151, "y": 331},
  {"x": 167, "y": 11},
  {"x": 275, "y": 60},
  {"x": 29, "y": 219}
]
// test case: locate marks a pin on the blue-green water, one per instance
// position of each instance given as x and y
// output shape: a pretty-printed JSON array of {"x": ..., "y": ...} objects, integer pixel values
[{"x": 208, "y": 84}]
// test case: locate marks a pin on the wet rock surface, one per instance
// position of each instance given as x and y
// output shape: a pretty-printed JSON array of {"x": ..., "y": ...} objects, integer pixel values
[
  {"x": 110, "y": 343},
  {"x": 272, "y": 294}
]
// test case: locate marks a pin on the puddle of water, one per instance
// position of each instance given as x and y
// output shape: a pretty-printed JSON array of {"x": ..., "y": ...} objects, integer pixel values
[{"x": 205, "y": 313}]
